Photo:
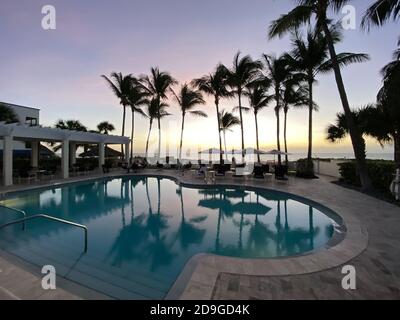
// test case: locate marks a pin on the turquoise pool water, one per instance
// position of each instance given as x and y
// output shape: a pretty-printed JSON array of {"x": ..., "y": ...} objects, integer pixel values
[{"x": 142, "y": 231}]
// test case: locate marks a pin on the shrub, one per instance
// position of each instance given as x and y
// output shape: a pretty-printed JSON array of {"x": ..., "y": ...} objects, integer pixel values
[
  {"x": 380, "y": 171},
  {"x": 303, "y": 170}
]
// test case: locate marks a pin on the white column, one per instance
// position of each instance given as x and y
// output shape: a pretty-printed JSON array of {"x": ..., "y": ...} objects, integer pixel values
[
  {"x": 34, "y": 154},
  {"x": 65, "y": 159},
  {"x": 8, "y": 160},
  {"x": 101, "y": 155},
  {"x": 127, "y": 155},
  {"x": 72, "y": 153}
]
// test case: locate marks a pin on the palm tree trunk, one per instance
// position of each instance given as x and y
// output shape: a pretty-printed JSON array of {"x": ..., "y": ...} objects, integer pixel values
[
  {"x": 310, "y": 169},
  {"x": 355, "y": 134},
  {"x": 241, "y": 122},
  {"x": 226, "y": 150},
  {"x": 278, "y": 129},
  {"x": 257, "y": 141},
  {"x": 285, "y": 136},
  {"x": 123, "y": 131},
  {"x": 219, "y": 130},
  {"x": 148, "y": 138},
  {"x": 181, "y": 143},
  {"x": 132, "y": 133},
  {"x": 159, "y": 138}
]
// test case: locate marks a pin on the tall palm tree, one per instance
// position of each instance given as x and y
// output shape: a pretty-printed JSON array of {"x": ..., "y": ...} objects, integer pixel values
[
  {"x": 279, "y": 72},
  {"x": 389, "y": 101},
  {"x": 243, "y": 72},
  {"x": 120, "y": 86},
  {"x": 154, "y": 111},
  {"x": 158, "y": 84},
  {"x": 259, "y": 99},
  {"x": 310, "y": 56},
  {"x": 105, "y": 127},
  {"x": 137, "y": 97},
  {"x": 228, "y": 121},
  {"x": 318, "y": 9},
  {"x": 215, "y": 85},
  {"x": 380, "y": 12},
  {"x": 294, "y": 94},
  {"x": 188, "y": 99}
]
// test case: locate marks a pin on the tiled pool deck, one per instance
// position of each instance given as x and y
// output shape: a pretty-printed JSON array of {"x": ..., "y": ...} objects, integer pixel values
[{"x": 371, "y": 245}]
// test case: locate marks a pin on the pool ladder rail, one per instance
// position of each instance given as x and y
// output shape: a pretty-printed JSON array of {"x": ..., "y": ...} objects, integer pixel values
[{"x": 44, "y": 216}]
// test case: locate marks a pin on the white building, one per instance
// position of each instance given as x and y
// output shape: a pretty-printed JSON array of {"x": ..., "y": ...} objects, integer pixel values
[
  {"x": 26, "y": 116},
  {"x": 14, "y": 136}
]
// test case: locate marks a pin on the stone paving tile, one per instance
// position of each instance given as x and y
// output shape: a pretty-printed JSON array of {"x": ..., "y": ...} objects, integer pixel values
[{"x": 378, "y": 267}]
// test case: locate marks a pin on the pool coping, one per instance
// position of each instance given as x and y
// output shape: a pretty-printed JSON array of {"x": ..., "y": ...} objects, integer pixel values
[
  {"x": 197, "y": 279},
  {"x": 204, "y": 268}
]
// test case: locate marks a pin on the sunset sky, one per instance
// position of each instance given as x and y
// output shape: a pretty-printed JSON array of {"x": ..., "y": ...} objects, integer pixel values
[{"x": 59, "y": 71}]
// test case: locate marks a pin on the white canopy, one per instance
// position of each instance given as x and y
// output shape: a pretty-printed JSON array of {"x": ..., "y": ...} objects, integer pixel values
[
  {"x": 26, "y": 133},
  {"x": 68, "y": 138}
]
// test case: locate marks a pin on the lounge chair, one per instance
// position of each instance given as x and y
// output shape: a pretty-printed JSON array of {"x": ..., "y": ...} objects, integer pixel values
[
  {"x": 280, "y": 173},
  {"x": 258, "y": 172}
]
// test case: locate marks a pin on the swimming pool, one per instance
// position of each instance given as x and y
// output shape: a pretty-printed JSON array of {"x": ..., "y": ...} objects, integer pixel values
[{"x": 143, "y": 230}]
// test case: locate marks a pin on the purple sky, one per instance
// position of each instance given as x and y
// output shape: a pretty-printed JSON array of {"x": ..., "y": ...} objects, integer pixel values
[{"x": 59, "y": 71}]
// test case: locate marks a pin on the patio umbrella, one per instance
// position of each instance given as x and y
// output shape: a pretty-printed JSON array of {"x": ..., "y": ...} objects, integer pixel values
[
  {"x": 250, "y": 151},
  {"x": 214, "y": 203},
  {"x": 93, "y": 152},
  {"x": 277, "y": 153},
  {"x": 250, "y": 208}
]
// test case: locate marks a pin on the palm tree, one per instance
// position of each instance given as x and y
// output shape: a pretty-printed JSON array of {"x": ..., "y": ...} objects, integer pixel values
[
  {"x": 244, "y": 71},
  {"x": 259, "y": 99},
  {"x": 318, "y": 9},
  {"x": 389, "y": 99},
  {"x": 228, "y": 121},
  {"x": 121, "y": 88},
  {"x": 188, "y": 99},
  {"x": 137, "y": 97},
  {"x": 380, "y": 12},
  {"x": 294, "y": 94},
  {"x": 105, "y": 127},
  {"x": 279, "y": 72},
  {"x": 7, "y": 114},
  {"x": 154, "y": 111},
  {"x": 375, "y": 121},
  {"x": 158, "y": 85},
  {"x": 215, "y": 84},
  {"x": 73, "y": 125},
  {"x": 311, "y": 56}
]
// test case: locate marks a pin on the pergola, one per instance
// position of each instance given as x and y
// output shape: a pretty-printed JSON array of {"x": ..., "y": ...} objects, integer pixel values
[{"x": 69, "y": 140}]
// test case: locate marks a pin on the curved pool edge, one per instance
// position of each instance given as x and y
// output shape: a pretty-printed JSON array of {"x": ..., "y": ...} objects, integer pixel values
[
  {"x": 198, "y": 278},
  {"x": 205, "y": 268}
]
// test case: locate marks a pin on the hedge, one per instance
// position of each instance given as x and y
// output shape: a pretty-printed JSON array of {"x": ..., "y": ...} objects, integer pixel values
[{"x": 380, "y": 171}]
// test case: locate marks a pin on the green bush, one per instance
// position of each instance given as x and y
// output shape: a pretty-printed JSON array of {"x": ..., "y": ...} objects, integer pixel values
[{"x": 380, "y": 171}]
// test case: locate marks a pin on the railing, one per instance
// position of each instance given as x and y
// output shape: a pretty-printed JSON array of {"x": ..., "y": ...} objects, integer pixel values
[
  {"x": 18, "y": 211},
  {"x": 43, "y": 216}
]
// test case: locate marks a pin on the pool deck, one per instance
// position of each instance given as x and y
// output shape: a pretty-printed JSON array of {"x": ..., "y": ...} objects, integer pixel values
[{"x": 371, "y": 245}]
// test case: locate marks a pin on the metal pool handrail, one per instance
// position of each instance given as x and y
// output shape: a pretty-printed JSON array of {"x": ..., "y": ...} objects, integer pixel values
[
  {"x": 44, "y": 216},
  {"x": 16, "y": 210}
]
